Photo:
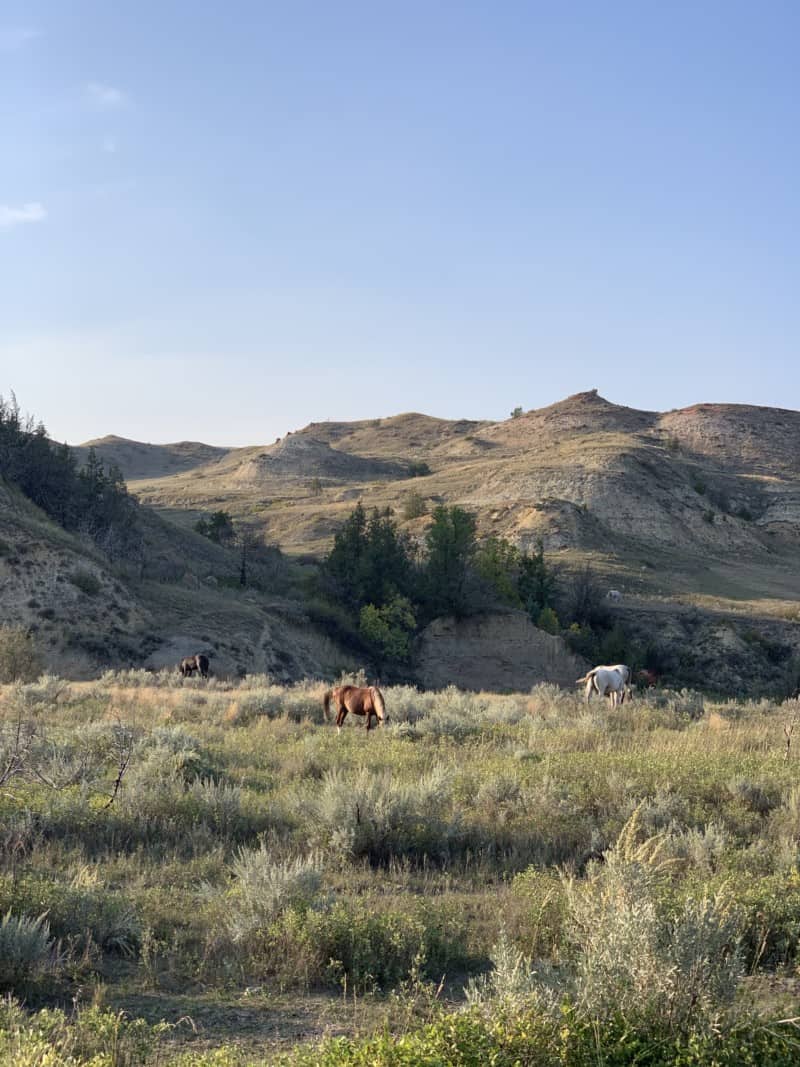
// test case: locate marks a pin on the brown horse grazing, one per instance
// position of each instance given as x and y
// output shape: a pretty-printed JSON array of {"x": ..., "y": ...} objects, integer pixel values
[
  {"x": 361, "y": 701},
  {"x": 189, "y": 664}
]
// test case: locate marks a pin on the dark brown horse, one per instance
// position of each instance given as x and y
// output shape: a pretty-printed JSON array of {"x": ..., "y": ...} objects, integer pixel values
[
  {"x": 190, "y": 664},
  {"x": 361, "y": 701}
]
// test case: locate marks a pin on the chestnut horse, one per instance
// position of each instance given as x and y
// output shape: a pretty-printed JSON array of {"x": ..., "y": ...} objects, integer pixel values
[{"x": 361, "y": 701}]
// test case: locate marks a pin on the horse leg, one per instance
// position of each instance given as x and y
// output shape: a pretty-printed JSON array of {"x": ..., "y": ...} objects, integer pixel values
[
  {"x": 369, "y": 720},
  {"x": 341, "y": 716}
]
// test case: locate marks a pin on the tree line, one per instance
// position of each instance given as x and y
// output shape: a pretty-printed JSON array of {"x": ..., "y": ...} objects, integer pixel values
[
  {"x": 378, "y": 587},
  {"x": 91, "y": 501}
]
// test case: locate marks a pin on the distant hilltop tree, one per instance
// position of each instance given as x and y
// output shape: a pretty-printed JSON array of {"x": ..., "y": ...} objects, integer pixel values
[{"x": 218, "y": 527}]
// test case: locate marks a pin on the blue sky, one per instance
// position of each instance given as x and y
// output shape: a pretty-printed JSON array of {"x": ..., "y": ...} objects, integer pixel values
[{"x": 221, "y": 222}]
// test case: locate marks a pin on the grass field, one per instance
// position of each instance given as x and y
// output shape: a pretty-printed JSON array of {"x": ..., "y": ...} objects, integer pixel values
[{"x": 518, "y": 877}]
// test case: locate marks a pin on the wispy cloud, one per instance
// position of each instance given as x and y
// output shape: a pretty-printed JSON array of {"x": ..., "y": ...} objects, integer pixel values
[
  {"x": 106, "y": 96},
  {"x": 18, "y": 216},
  {"x": 12, "y": 38}
]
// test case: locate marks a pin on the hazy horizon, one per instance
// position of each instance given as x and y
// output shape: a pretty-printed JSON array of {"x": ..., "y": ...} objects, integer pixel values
[{"x": 221, "y": 226}]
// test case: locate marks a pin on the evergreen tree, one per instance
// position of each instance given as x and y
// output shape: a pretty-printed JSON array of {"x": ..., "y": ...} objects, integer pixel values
[
  {"x": 536, "y": 583},
  {"x": 450, "y": 543},
  {"x": 497, "y": 562}
]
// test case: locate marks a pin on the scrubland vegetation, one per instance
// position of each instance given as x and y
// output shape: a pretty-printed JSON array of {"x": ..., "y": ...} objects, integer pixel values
[{"x": 505, "y": 879}]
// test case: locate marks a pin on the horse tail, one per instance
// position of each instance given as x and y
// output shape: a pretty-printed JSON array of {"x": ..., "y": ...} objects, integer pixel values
[
  {"x": 379, "y": 702},
  {"x": 326, "y": 705}
]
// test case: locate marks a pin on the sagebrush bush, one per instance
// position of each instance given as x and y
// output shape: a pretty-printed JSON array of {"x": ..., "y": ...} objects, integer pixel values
[
  {"x": 631, "y": 956},
  {"x": 379, "y": 816},
  {"x": 265, "y": 887},
  {"x": 27, "y": 952}
]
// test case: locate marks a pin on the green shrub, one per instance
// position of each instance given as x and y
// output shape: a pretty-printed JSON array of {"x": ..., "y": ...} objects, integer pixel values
[
  {"x": 513, "y": 1038},
  {"x": 418, "y": 469},
  {"x": 547, "y": 620},
  {"x": 415, "y": 506},
  {"x": 368, "y": 945},
  {"x": 85, "y": 580},
  {"x": 88, "y": 1037}
]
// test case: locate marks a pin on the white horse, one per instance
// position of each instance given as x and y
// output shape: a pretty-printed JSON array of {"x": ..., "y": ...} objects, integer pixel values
[{"x": 608, "y": 681}]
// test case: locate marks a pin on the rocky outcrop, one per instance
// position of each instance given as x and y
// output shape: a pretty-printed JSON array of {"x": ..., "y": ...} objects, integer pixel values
[
  {"x": 301, "y": 456},
  {"x": 501, "y": 652}
]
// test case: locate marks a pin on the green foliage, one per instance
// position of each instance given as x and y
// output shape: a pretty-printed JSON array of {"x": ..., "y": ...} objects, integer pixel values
[
  {"x": 92, "y": 501},
  {"x": 376, "y": 816},
  {"x": 415, "y": 506},
  {"x": 19, "y": 658},
  {"x": 218, "y": 527},
  {"x": 614, "y": 646},
  {"x": 450, "y": 543},
  {"x": 584, "y": 600},
  {"x": 515, "y": 414},
  {"x": 389, "y": 629},
  {"x": 418, "y": 468},
  {"x": 88, "y": 1037},
  {"x": 536, "y": 584},
  {"x": 508, "y": 1038},
  {"x": 81, "y": 915},
  {"x": 547, "y": 620},
  {"x": 584, "y": 641},
  {"x": 370, "y": 561},
  {"x": 498, "y": 563},
  {"x": 430, "y": 838},
  {"x": 380, "y": 947}
]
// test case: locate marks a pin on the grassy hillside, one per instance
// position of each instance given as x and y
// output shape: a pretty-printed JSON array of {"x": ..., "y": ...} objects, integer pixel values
[{"x": 179, "y": 596}]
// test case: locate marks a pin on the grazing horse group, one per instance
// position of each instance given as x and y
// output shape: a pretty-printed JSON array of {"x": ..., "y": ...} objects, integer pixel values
[{"x": 606, "y": 681}]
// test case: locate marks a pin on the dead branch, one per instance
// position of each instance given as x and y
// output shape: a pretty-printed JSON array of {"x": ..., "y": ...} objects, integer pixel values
[{"x": 123, "y": 744}]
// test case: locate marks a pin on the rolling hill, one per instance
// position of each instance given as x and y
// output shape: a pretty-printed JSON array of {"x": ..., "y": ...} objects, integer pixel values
[{"x": 693, "y": 514}]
